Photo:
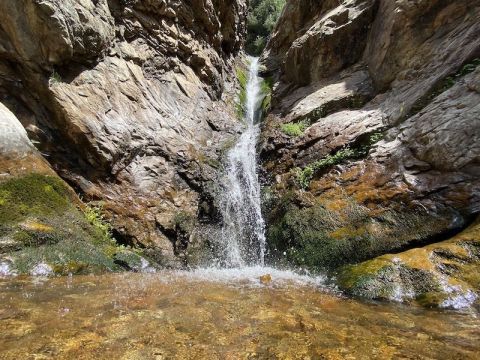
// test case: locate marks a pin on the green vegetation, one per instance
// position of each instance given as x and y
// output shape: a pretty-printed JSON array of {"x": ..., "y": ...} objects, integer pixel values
[
  {"x": 266, "y": 89},
  {"x": 295, "y": 129},
  {"x": 33, "y": 195},
  {"x": 305, "y": 175},
  {"x": 306, "y": 236},
  {"x": 39, "y": 224},
  {"x": 262, "y": 17},
  {"x": 267, "y": 86},
  {"x": 93, "y": 214},
  {"x": 55, "y": 78},
  {"x": 330, "y": 234},
  {"x": 242, "y": 96}
]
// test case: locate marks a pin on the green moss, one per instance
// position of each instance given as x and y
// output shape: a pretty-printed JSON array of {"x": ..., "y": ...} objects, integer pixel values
[
  {"x": 40, "y": 224},
  {"x": 242, "y": 79},
  {"x": 295, "y": 129},
  {"x": 266, "y": 88},
  {"x": 302, "y": 236},
  {"x": 328, "y": 236},
  {"x": 65, "y": 257},
  {"x": 431, "y": 299},
  {"x": 32, "y": 195},
  {"x": 358, "y": 276}
]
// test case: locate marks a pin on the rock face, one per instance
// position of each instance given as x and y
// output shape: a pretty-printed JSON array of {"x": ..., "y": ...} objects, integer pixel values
[
  {"x": 130, "y": 101},
  {"x": 372, "y": 144},
  {"x": 43, "y": 231},
  {"x": 18, "y": 155}
]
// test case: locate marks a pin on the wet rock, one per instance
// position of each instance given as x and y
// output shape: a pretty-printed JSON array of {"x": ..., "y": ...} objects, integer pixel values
[
  {"x": 384, "y": 157},
  {"x": 439, "y": 275},
  {"x": 131, "y": 102},
  {"x": 266, "y": 279}
]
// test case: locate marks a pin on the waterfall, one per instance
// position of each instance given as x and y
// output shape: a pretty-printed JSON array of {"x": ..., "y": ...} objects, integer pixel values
[{"x": 242, "y": 238}]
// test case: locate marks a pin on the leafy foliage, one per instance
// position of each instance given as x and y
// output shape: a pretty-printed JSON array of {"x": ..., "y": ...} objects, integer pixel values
[
  {"x": 262, "y": 17},
  {"x": 295, "y": 129},
  {"x": 305, "y": 175},
  {"x": 94, "y": 215}
]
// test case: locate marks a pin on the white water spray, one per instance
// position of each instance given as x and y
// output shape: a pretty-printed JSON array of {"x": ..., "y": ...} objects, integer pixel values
[{"x": 242, "y": 238}]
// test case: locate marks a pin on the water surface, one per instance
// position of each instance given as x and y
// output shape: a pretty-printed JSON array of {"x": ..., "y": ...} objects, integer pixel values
[{"x": 217, "y": 314}]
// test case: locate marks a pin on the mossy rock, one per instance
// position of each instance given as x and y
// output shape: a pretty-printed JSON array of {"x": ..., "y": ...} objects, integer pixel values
[
  {"x": 328, "y": 235},
  {"x": 32, "y": 195},
  {"x": 40, "y": 225},
  {"x": 444, "y": 274}
]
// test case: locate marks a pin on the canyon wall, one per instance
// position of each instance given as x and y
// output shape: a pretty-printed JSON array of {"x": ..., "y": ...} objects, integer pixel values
[
  {"x": 372, "y": 145},
  {"x": 131, "y": 102}
]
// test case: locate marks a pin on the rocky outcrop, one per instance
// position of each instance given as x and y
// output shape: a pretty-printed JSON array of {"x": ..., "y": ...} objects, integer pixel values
[
  {"x": 18, "y": 155},
  {"x": 444, "y": 274},
  {"x": 375, "y": 151},
  {"x": 131, "y": 101},
  {"x": 44, "y": 228}
]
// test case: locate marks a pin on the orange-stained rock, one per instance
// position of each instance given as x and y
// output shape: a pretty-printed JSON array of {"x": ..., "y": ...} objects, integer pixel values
[{"x": 405, "y": 111}]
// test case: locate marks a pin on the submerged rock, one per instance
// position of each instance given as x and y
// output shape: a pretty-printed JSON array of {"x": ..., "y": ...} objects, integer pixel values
[{"x": 266, "y": 279}]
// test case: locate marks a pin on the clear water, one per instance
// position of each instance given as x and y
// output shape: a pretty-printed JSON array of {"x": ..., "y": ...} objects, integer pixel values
[
  {"x": 242, "y": 238},
  {"x": 172, "y": 315}
]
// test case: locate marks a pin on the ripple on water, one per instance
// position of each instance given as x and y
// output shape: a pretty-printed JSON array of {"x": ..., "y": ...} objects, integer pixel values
[
  {"x": 251, "y": 276},
  {"x": 217, "y": 314}
]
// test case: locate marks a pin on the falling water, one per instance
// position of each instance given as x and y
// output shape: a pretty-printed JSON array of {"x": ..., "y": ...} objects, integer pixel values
[{"x": 242, "y": 238}]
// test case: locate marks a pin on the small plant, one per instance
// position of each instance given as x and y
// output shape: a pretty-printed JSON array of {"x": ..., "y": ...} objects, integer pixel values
[
  {"x": 305, "y": 175},
  {"x": 93, "y": 214},
  {"x": 55, "y": 78},
  {"x": 295, "y": 129},
  {"x": 443, "y": 86}
]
